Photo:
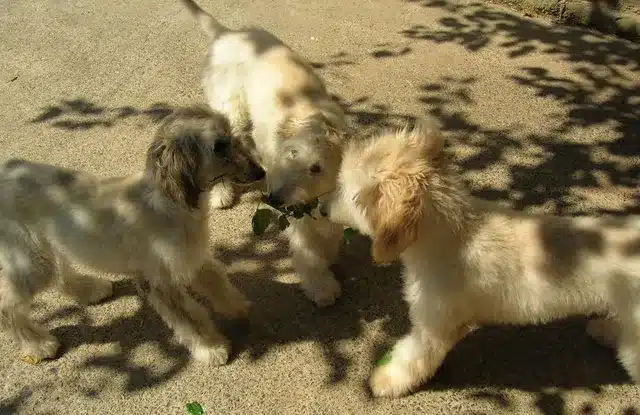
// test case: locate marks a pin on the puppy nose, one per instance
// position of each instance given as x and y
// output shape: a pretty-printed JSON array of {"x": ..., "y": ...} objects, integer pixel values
[
  {"x": 259, "y": 173},
  {"x": 274, "y": 199}
]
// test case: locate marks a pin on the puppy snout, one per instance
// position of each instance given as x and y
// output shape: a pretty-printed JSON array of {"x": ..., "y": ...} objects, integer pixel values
[{"x": 257, "y": 173}]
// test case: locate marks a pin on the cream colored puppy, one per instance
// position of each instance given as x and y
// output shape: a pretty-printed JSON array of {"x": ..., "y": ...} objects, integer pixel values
[
  {"x": 469, "y": 262},
  {"x": 283, "y": 113},
  {"x": 152, "y": 225}
]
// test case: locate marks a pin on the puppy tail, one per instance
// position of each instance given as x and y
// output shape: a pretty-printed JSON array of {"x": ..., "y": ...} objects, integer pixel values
[{"x": 211, "y": 26}]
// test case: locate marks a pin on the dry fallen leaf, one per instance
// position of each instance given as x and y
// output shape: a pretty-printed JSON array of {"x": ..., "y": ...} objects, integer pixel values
[{"x": 32, "y": 360}]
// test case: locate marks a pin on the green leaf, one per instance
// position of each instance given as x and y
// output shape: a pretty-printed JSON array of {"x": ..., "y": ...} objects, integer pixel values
[
  {"x": 308, "y": 208},
  {"x": 261, "y": 220},
  {"x": 265, "y": 199},
  {"x": 298, "y": 211},
  {"x": 195, "y": 408},
  {"x": 283, "y": 222},
  {"x": 349, "y": 233},
  {"x": 386, "y": 358}
]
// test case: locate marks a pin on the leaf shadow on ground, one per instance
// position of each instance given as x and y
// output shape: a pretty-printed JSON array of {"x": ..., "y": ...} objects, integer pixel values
[
  {"x": 125, "y": 332},
  {"x": 552, "y": 172},
  {"x": 369, "y": 293},
  {"x": 81, "y": 114}
]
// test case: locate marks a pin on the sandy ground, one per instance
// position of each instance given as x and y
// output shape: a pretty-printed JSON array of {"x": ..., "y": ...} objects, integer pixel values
[{"x": 539, "y": 116}]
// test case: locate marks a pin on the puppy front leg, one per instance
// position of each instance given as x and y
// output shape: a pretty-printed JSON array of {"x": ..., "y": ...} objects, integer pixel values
[
  {"x": 17, "y": 289},
  {"x": 190, "y": 323},
  {"x": 84, "y": 289},
  {"x": 315, "y": 245},
  {"x": 224, "y": 298}
]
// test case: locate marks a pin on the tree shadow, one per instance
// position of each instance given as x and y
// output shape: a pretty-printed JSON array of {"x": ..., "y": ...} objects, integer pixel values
[
  {"x": 371, "y": 294},
  {"x": 11, "y": 405},
  {"x": 542, "y": 170},
  {"x": 80, "y": 114},
  {"x": 602, "y": 91},
  {"x": 476, "y": 26},
  {"x": 334, "y": 61},
  {"x": 370, "y": 117},
  {"x": 550, "y": 171},
  {"x": 142, "y": 327}
]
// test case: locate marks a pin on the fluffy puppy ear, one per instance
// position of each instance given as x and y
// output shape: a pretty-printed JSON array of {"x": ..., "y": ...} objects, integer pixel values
[
  {"x": 173, "y": 165},
  {"x": 426, "y": 136},
  {"x": 395, "y": 207},
  {"x": 395, "y": 203}
]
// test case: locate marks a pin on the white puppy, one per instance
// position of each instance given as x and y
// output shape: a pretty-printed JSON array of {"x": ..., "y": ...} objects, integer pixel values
[
  {"x": 284, "y": 115},
  {"x": 469, "y": 262},
  {"x": 152, "y": 225}
]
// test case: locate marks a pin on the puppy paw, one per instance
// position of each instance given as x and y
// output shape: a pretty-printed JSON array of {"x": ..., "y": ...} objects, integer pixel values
[
  {"x": 322, "y": 291},
  {"x": 391, "y": 381},
  {"x": 214, "y": 355},
  {"x": 34, "y": 353},
  {"x": 222, "y": 197}
]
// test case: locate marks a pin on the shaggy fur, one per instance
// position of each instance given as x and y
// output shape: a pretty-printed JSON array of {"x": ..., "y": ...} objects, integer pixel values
[
  {"x": 469, "y": 262},
  {"x": 151, "y": 225},
  {"x": 283, "y": 113}
]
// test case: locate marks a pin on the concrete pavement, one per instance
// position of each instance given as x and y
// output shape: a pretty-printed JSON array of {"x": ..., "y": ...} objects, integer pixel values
[{"x": 540, "y": 116}]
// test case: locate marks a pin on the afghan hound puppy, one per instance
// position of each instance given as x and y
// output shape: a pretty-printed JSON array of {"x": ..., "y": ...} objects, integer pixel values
[{"x": 151, "y": 225}]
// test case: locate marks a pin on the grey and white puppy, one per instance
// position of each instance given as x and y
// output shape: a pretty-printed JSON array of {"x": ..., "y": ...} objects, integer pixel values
[{"x": 152, "y": 225}]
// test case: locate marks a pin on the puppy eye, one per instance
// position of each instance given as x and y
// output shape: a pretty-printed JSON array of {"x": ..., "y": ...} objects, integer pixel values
[
  {"x": 315, "y": 169},
  {"x": 222, "y": 147}
]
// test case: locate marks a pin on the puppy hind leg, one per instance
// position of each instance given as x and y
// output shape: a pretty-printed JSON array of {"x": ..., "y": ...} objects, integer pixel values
[
  {"x": 18, "y": 285},
  {"x": 190, "y": 323},
  {"x": 413, "y": 360},
  {"x": 212, "y": 282},
  {"x": 84, "y": 289}
]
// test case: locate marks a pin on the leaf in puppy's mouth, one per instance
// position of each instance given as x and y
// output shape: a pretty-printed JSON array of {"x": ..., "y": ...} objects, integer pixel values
[
  {"x": 263, "y": 217},
  {"x": 386, "y": 358},
  {"x": 261, "y": 220},
  {"x": 349, "y": 233},
  {"x": 283, "y": 222}
]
